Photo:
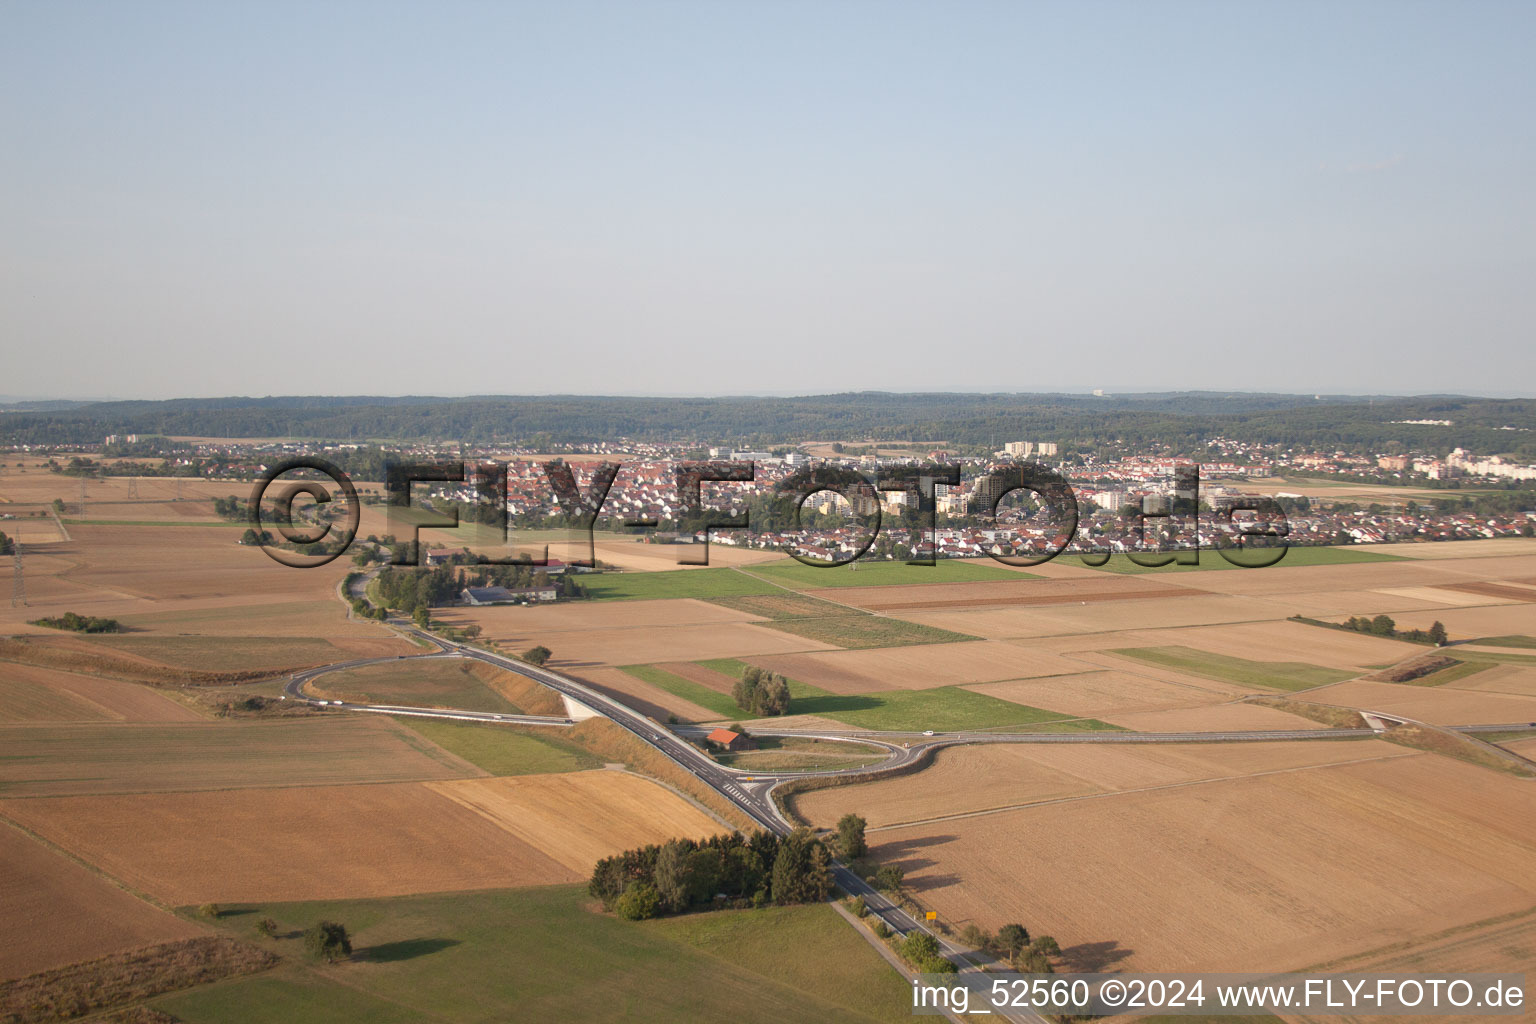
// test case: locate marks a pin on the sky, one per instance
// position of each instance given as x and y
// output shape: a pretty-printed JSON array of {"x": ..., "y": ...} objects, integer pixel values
[{"x": 772, "y": 197}]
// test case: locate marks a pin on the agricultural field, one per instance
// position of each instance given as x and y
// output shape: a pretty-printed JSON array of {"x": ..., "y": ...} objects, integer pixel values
[
  {"x": 514, "y": 954},
  {"x": 802, "y": 754},
  {"x": 1294, "y": 556},
  {"x": 581, "y": 817},
  {"x": 799, "y": 576},
  {"x": 362, "y": 840},
  {"x": 972, "y": 780},
  {"x": 32, "y": 693},
  {"x": 1264, "y": 872},
  {"x": 1452, "y": 704},
  {"x": 505, "y": 749},
  {"x": 66, "y": 760},
  {"x": 701, "y": 583},
  {"x": 913, "y": 668},
  {"x": 66, "y": 912},
  {"x": 1277, "y": 675},
  {"x": 434, "y": 682}
]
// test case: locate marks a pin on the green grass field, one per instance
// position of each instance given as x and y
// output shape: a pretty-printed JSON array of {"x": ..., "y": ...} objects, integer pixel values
[
  {"x": 542, "y": 955},
  {"x": 505, "y": 749},
  {"x": 882, "y": 574},
  {"x": 677, "y": 686},
  {"x": 1278, "y": 675},
  {"x": 1211, "y": 560},
  {"x": 650, "y": 586},
  {"x": 943, "y": 709}
]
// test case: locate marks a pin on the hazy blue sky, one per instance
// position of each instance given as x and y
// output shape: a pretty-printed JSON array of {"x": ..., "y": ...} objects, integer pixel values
[{"x": 726, "y": 197}]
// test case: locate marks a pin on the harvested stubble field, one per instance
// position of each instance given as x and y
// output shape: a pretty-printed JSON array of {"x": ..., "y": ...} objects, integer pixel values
[
  {"x": 67, "y": 913},
  {"x": 1238, "y": 717},
  {"x": 1111, "y": 692},
  {"x": 579, "y": 818},
  {"x": 441, "y": 682},
  {"x": 1439, "y": 705},
  {"x": 1519, "y": 680},
  {"x": 1262, "y": 873},
  {"x": 297, "y": 843},
  {"x": 33, "y": 693},
  {"x": 984, "y": 777},
  {"x": 912, "y": 668},
  {"x": 47, "y": 761}
]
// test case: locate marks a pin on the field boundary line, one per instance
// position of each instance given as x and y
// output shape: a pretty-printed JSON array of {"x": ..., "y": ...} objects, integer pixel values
[{"x": 76, "y": 859}]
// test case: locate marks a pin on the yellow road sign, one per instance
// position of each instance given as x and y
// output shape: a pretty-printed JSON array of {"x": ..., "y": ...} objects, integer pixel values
[{"x": 933, "y": 915}]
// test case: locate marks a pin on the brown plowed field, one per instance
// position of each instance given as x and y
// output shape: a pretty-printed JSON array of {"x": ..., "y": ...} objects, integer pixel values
[
  {"x": 1263, "y": 873},
  {"x": 59, "y": 912},
  {"x": 32, "y": 693}
]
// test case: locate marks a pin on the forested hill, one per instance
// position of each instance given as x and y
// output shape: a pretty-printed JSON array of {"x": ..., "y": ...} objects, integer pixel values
[{"x": 1181, "y": 420}]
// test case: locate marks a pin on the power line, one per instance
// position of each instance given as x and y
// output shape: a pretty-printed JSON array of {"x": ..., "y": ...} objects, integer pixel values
[
  {"x": 133, "y": 487},
  {"x": 18, "y": 580},
  {"x": 82, "y": 497}
]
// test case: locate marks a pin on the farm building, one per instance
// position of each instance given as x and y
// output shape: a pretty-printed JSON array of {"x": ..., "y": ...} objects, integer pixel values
[
  {"x": 731, "y": 740},
  {"x": 502, "y": 595}
]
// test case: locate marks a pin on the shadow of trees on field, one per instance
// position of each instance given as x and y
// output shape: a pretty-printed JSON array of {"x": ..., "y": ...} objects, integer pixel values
[
  {"x": 405, "y": 949},
  {"x": 832, "y": 704},
  {"x": 1093, "y": 957}
]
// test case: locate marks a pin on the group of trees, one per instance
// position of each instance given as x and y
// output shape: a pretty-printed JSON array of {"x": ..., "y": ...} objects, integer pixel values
[
  {"x": 232, "y": 508},
  {"x": 762, "y": 693},
  {"x": 1012, "y": 943},
  {"x": 409, "y": 589},
  {"x": 1384, "y": 625},
  {"x": 76, "y": 623},
  {"x": 750, "y": 870}
]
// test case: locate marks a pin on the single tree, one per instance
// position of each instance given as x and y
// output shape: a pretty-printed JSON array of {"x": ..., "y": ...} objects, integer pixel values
[
  {"x": 1382, "y": 625},
  {"x": 1437, "y": 634},
  {"x": 329, "y": 941},
  {"x": 536, "y": 655},
  {"x": 266, "y": 927},
  {"x": 1011, "y": 938},
  {"x": 850, "y": 836},
  {"x": 889, "y": 878}
]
